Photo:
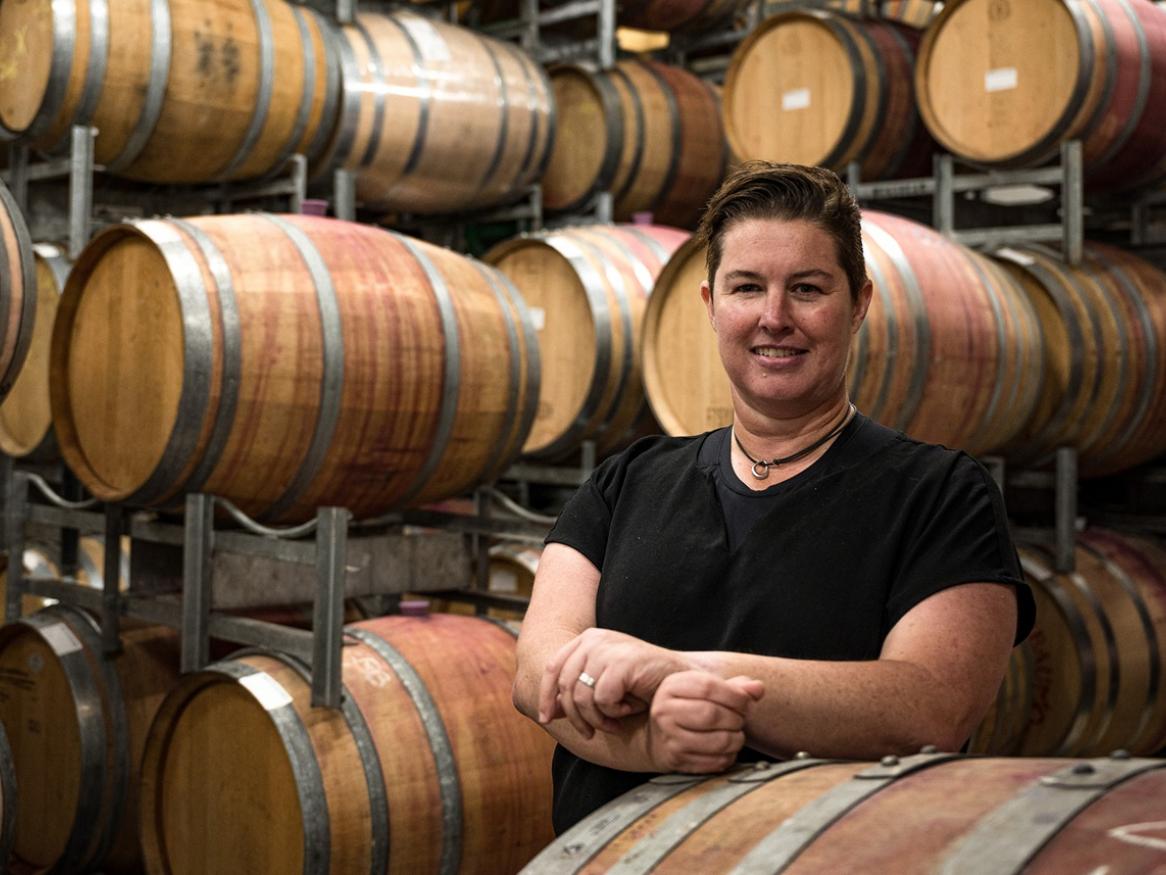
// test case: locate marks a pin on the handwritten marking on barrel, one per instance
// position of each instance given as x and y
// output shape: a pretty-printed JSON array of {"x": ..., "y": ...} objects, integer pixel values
[
  {"x": 1132, "y": 834},
  {"x": 373, "y": 671}
]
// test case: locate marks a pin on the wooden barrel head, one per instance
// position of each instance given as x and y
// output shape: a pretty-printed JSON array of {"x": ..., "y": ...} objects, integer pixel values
[
  {"x": 36, "y": 694},
  {"x": 220, "y": 733},
  {"x": 25, "y": 414},
  {"x": 587, "y": 136},
  {"x": 566, "y": 330},
  {"x": 996, "y": 77},
  {"x": 26, "y": 50},
  {"x": 685, "y": 381},
  {"x": 118, "y": 363},
  {"x": 788, "y": 93}
]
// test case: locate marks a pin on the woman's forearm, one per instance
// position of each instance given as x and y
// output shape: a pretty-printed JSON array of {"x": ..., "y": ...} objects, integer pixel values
[
  {"x": 939, "y": 668},
  {"x": 846, "y": 709}
]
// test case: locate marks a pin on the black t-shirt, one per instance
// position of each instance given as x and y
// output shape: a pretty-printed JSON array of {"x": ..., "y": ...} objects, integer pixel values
[{"x": 827, "y": 561}]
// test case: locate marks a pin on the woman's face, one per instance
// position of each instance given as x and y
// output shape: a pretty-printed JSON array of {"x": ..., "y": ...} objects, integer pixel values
[{"x": 783, "y": 314}]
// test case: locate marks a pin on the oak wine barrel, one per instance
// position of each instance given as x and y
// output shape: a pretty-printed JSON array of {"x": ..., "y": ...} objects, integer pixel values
[
  {"x": 1090, "y": 678},
  {"x": 25, "y": 417},
  {"x": 179, "y": 90},
  {"x": 587, "y": 288},
  {"x": 426, "y": 767},
  {"x": 924, "y": 813},
  {"x": 1007, "y": 81},
  {"x": 437, "y": 118},
  {"x": 513, "y": 566},
  {"x": 1104, "y": 382},
  {"x": 287, "y": 363},
  {"x": 77, "y": 724},
  {"x": 814, "y": 87},
  {"x": 950, "y": 351},
  {"x": 17, "y": 291},
  {"x": 649, "y": 133}
]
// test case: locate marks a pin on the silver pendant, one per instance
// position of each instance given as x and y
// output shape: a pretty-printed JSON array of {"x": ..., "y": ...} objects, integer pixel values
[{"x": 764, "y": 466}]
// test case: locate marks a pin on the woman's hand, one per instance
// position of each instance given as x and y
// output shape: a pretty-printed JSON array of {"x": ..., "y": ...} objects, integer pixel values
[
  {"x": 697, "y": 721},
  {"x": 626, "y": 672}
]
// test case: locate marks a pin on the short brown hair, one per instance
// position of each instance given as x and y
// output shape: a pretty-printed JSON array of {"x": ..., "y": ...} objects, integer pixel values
[{"x": 765, "y": 190}]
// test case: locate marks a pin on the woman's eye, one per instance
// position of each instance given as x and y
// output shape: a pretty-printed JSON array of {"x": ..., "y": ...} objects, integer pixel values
[{"x": 806, "y": 289}]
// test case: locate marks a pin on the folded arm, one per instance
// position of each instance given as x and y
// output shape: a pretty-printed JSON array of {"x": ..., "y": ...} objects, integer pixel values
[{"x": 936, "y": 675}]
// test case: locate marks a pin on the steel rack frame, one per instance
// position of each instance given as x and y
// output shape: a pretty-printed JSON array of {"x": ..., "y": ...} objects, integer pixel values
[
  {"x": 1064, "y": 483},
  {"x": 322, "y": 542},
  {"x": 945, "y": 184},
  {"x": 528, "y": 30},
  {"x": 79, "y": 167}
]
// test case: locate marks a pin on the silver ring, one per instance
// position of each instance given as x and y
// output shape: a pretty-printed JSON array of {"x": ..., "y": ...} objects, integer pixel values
[{"x": 586, "y": 680}]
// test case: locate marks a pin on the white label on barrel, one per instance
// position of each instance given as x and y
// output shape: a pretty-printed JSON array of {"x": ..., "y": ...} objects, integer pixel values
[
  {"x": 266, "y": 690},
  {"x": 1014, "y": 256},
  {"x": 429, "y": 41},
  {"x": 1001, "y": 79},
  {"x": 61, "y": 639},
  {"x": 797, "y": 99},
  {"x": 539, "y": 317}
]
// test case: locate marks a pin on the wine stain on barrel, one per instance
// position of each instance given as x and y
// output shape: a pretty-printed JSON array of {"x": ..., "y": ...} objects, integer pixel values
[
  {"x": 217, "y": 58},
  {"x": 230, "y": 59},
  {"x": 205, "y": 49}
]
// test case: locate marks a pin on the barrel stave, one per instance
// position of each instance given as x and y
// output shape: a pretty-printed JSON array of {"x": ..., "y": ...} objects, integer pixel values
[
  {"x": 916, "y": 815},
  {"x": 470, "y": 702},
  {"x": 703, "y": 153}
]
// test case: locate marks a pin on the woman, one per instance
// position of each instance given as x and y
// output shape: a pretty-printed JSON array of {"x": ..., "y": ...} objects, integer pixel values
[{"x": 804, "y": 580}]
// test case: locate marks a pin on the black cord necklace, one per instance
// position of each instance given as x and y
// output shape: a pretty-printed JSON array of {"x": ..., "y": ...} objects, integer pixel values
[{"x": 766, "y": 464}]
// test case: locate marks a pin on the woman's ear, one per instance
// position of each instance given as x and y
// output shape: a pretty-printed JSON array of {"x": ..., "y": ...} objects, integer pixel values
[
  {"x": 862, "y": 305},
  {"x": 706, "y": 295}
]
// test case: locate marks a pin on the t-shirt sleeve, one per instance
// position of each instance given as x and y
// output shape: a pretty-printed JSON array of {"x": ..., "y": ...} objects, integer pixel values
[
  {"x": 585, "y": 521},
  {"x": 960, "y": 535}
]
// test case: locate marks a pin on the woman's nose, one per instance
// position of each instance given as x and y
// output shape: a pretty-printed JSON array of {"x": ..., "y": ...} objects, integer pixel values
[{"x": 774, "y": 311}]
